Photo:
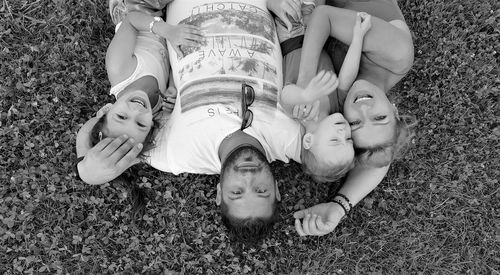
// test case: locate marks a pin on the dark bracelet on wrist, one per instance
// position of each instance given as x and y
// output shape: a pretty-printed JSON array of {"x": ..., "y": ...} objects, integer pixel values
[
  {"x": 345, "y": 198},
  {"x": 75, "y": 167},
  {"x": 341, "y": 205}
]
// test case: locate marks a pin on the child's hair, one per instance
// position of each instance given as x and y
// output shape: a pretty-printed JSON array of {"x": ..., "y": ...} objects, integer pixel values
[
  {"x": 321, "y": 172},
  {"x": 129, "y": 177},
  {"x": 97, "y": 135},
  {"x": 383, "y": 154}
]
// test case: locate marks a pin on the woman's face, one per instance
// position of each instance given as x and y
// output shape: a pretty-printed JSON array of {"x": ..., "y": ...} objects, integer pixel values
[
  {"x": 370, "y": 114},
  {"x": 132, "y": 115}
]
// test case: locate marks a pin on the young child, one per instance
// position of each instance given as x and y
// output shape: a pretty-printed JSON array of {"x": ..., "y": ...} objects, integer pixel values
[
  {"x": 138, "y": 70},
  {"x": 327, "y": 148}
]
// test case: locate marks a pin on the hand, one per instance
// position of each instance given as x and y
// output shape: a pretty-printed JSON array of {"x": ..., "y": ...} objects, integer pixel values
[
  {"x": 318, "y": 220},
  {"x": 321, "y": 85},
  {"x": 169, "y": 104},
  {"x": 181, "y": 35},
  {"x": 363, "y": 23},
  {"x": 104, "y": 110},
  {"x": 284, "y": 9},
  {"x": 306, "y": 111},
  {"x": 108, "y": 159}
]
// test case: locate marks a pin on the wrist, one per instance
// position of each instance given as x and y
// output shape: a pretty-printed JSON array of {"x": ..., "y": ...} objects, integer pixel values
[
  {"x": 155, "y": 24},
  {"x": 337, "y": 211}
]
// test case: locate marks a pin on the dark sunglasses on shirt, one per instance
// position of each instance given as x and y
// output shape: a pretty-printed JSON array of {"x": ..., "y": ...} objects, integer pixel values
[{"x": 247, "y": 98}]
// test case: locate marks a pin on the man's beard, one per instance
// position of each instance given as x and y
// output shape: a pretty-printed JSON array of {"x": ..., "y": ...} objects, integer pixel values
[{"x": 233, "y": 156}]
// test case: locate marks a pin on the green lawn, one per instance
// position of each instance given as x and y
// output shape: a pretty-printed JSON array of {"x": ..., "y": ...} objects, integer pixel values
[{"x": 437, "y": 211}]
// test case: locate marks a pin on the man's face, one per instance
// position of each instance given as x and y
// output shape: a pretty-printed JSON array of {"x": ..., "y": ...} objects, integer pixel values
[{"x": 247, "y": 185}]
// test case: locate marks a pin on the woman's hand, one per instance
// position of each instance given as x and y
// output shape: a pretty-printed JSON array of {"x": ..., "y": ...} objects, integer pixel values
[
  {"x": 318, "y": 220},
  {"x": 321, "y": 85},
  {"x": 286, "y": 9}
]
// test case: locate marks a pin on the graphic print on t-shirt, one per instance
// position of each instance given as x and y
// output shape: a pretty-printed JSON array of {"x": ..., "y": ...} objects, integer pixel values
[{"x": 241, "y": 47}]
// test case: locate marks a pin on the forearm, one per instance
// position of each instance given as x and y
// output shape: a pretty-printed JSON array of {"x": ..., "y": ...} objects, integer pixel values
[
  {"x": 315, "y": 37},
  {"x": 361, "y": 181},
  {"x": 384, "y": 44},
  {"x": 350, "y": 66},
  {"x": 293, "y": 95}
]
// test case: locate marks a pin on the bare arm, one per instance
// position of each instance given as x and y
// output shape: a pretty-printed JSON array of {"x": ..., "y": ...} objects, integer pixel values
[
  {"x": 361, "y": 181},
  {"x": 323, "y": 218},
  {"x": 120, "y": 59},
  {"x": 396, "y": 56},
  {"x": 350, "y": 66}
]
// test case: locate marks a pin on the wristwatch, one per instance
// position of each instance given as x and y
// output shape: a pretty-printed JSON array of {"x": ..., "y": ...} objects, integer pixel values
[{"x": 155, "y": 19}]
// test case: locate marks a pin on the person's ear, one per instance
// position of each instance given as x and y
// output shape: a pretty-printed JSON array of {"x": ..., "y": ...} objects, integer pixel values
[
  {"x": 218, "y": 197},
  {"x": 276, "y": 187},
  {"x": 307, "y": 141}
]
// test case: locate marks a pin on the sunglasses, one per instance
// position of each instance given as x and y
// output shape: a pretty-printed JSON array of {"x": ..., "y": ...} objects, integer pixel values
[{"x": 247, "y": 98}]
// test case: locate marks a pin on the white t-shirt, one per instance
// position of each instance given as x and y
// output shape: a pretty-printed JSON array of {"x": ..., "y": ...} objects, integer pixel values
[{"x": 241, "y": 47}]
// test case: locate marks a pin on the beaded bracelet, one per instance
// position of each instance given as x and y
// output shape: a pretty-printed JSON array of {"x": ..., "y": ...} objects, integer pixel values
[{"x": 346, "y": 199}]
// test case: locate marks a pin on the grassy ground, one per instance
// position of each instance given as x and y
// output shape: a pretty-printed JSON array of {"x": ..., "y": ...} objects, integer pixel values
[{"x": 436, "y": 212}]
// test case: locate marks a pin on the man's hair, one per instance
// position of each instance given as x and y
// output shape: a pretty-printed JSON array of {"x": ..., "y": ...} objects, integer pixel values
[
  {"x": 383, "y": 154},
  {"x": 96, "y": 134},
  {"x": 249, "y": 230},
  {"x": 321, "y": 172}
]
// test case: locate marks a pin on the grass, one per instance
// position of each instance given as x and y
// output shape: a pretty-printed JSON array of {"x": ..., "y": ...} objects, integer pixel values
[{"x": 436, "y": 211}]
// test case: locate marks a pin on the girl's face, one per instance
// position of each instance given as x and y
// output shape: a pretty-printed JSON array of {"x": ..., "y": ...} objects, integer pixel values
[
  {"x": 132, "y": 115},
  {"x": 370, "y": 114}
]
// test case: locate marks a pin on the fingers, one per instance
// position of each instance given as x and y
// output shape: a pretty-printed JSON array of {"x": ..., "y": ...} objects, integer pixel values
[
  {"x": 331, "y": 83},
  {"x": 300, "y": 214},
  {"x": 178, "y": 51},
  {"x": 122, "y": 150},
  {"x": 284, "y": 18},
  {"x": 314, "y": 111},
  {"x": 309, "y": 226},
  {"x": 295, "y": 111},
  {"x": 192, "y": 35},
  {"x": 103, "y": 144},
  {"x": 130, "y": 158},
  {"x": 104, "y": 110},
  {"x": 325, "y": 227},
  {"x": 306, "y": 110},
  {"x": 293, "y": 8},
  {"x": 298, "y": 228},
  {"x": 358, "y": 21},
  {"x": 115, "y": 144}
]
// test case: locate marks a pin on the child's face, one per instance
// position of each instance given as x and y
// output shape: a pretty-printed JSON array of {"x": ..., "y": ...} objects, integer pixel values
[
  {"x": 132, "y": 115},
  {"x": 332, "y": 140}
]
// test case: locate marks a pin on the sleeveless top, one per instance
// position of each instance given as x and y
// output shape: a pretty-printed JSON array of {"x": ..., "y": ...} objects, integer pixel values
[{"x": 152, "y": 60}]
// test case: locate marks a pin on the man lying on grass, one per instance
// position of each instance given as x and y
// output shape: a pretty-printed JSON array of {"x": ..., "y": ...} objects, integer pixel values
[{"x": 226, "y": 118}]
